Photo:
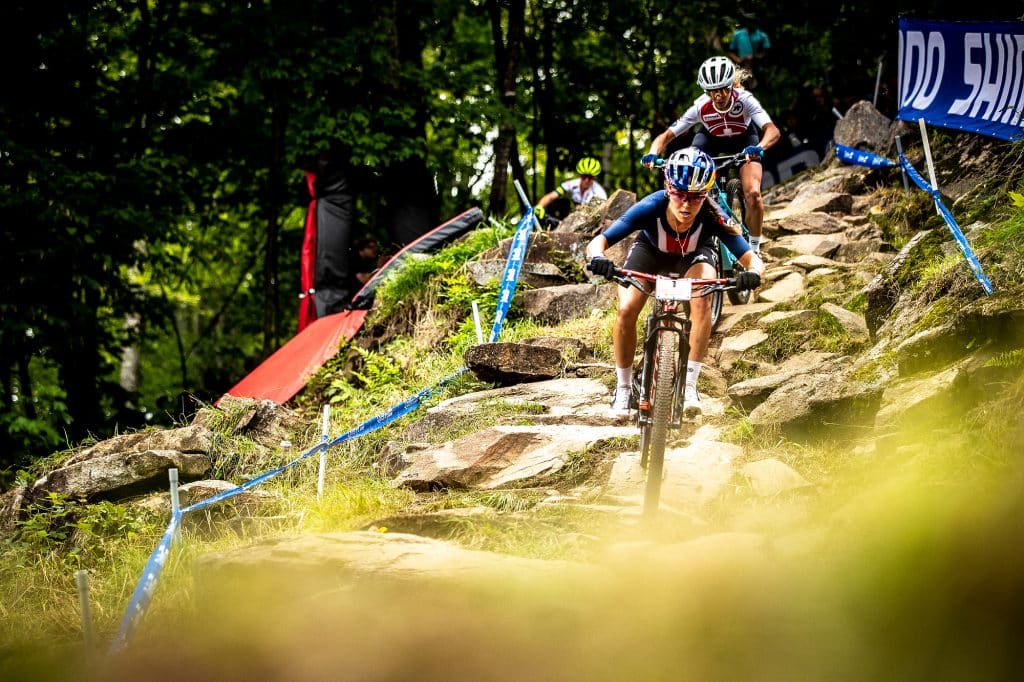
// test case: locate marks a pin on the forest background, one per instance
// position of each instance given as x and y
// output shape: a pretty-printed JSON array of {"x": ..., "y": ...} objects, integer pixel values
[{"x": 150, "y": 158}]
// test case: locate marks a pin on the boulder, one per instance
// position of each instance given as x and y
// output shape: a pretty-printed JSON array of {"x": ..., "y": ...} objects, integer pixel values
[
  {"x": 122, "y": 474},
  {"x": 562, "y": 303},
  {"x": 513, "y": 363},
  {"x": 863, "y": 127}
]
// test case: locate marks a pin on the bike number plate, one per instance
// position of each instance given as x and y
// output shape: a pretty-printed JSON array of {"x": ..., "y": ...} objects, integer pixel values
[{"x": 668, "y": 289}]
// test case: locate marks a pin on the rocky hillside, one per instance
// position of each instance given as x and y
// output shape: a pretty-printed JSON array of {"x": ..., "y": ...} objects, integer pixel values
[{"x": 842, "y": 508}]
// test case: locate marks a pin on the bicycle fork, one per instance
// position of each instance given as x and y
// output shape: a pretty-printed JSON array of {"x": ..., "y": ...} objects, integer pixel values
[{"x": 664, "y": 321}]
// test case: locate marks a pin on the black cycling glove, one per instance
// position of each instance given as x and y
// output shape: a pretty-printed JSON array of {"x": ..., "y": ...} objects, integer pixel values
[
  {"x": 748, "y": 280},
  {"x": 600, "y": 265}
]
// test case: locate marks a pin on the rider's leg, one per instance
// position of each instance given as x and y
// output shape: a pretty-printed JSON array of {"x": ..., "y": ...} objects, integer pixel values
[
  {"x": 700, "y": 335},
  {"x": 750, "y": 176},
  {"x": 700, "y": 314},
  {"x": 631, "y": 302}
]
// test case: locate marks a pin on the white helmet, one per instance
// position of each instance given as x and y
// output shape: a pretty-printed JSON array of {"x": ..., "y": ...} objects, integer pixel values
[{"x": 717, "y": 72}]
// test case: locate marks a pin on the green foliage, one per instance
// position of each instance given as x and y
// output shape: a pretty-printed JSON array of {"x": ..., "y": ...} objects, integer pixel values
[{"x": 76, "y": 533}]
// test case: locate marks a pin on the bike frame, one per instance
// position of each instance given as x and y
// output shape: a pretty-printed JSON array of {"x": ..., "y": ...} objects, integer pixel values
[{"x": 726, "y": 257}]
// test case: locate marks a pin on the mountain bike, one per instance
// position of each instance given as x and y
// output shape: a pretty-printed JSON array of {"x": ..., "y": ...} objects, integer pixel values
[
  {"x": 659, "y": 388},
  {"x": 730, "y": 191}
]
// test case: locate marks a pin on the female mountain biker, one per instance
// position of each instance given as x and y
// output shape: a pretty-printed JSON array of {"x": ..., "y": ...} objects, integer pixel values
[
  {"x": 726, "y": 112},
  {"x": 677, "y": 229},
  {"x": 580, "y": 190}
]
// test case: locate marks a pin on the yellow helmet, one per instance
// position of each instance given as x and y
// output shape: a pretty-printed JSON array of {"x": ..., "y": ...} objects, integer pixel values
[{"x": 588, "y": 166}]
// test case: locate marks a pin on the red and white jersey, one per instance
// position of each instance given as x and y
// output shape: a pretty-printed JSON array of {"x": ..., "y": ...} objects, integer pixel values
[{"x": 734, "y": 122}]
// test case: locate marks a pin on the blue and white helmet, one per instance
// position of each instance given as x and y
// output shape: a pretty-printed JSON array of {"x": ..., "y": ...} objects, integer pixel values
[{"x": 690, "y": 170}]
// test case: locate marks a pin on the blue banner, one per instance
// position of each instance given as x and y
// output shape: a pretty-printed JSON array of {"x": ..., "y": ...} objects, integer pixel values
[
  {"x": 968, "y": 76},
  {"x": 862, "y": 158},
  {"x": 516, "y": 256}
]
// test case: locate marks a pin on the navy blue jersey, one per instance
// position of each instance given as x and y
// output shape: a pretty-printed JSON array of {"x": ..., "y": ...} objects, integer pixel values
[{"x": 648, "y": 217}]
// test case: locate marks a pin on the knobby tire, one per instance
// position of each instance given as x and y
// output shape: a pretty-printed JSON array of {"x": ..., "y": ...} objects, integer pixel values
[
  {"x": 661, "y": 413},
  {"x": 734, "y": 195}
]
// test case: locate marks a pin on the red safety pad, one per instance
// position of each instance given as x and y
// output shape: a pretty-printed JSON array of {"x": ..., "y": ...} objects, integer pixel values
[{"x": 286, "y": 372}]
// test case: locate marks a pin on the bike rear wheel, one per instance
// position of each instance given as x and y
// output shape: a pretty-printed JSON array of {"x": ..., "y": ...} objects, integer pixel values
[{"x": 661, "y": 413}]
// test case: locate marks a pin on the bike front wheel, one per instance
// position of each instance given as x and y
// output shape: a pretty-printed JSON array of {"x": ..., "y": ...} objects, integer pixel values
[{"x": 663, "y": 395}]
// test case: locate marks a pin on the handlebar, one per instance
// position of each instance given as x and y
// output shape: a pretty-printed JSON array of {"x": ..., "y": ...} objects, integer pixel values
[
  {"x": 706, "y": 287},
  {"x": 721, "y": 162},
  {"x": 729, "y": 160}
]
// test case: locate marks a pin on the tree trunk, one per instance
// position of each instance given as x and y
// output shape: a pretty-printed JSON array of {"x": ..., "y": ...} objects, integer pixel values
[{"x": 506, "y": 51}]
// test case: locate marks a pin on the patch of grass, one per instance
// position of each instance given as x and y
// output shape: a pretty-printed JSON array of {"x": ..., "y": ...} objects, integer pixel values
[{"x": 741, "y": 370}]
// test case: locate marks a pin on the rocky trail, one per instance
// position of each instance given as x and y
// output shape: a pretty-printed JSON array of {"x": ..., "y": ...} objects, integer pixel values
[{"x": 831, "y": 354}]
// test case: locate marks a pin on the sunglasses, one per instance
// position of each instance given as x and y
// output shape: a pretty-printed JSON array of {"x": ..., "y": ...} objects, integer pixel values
[{"x": 678, "y": 195}]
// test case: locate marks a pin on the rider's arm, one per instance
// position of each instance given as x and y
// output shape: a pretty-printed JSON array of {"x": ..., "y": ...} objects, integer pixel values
[
  {"x": 596, "y": 247},
  {"x": 547, "y": 199},
  {"x": 661, "y": 141},
  {"x": 769, "y": 135},
  {"x": 752, "y": 262}
]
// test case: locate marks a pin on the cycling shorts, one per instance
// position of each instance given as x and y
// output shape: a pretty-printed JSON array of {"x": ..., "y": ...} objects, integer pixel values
[
  {"x": 645, "y": 257},
  {"x": 726, "y": 146}
]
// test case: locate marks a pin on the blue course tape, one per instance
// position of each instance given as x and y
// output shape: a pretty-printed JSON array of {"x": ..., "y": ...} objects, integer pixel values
[
  {"x": 143, "y": 592},
  {"x": 516, "y": 256},
  {"x": 146, "y": 585},
  {"x": 958, "y": 235},
  {"x": 862, "y": 158}
]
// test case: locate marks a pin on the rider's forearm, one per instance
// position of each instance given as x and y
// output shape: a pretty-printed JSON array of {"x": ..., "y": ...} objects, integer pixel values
[
  {"x": 597, "y": 246},
  {"x": 752, "y": 262},
  {"x": 547, "y": 199},
  {"x": 661, "y": 141},
  {"x": 770, "y": 135}
]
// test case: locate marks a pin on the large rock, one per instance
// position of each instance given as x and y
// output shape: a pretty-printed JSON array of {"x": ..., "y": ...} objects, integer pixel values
[
  {"x": 12, "y": 504},
  {"x": 513, "y": 363},
  {"x": 786, "y": 289},
  {"x": 562, "y": 401},
  {"x": 852, "y": 323},
  {"x": 498, "y": 456},
  {"x": 562, "y": 303},
  {"x": 770, "y": 477},
  {"x": 863, "y": 127},
  {"x": 122, "y": 474},
  {"x": 823, "y": 401},
  {"x": 194, "y": 439},
  {"x": 694, "y": 474},
  {"x": 815, "y": 222}
]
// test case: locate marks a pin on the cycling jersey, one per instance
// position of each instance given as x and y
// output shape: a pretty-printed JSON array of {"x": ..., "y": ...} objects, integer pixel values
[
  {"x": 744, "y": 110},
  {"x": 571, "y": 189},
  {"x": 648, "y": 217}
]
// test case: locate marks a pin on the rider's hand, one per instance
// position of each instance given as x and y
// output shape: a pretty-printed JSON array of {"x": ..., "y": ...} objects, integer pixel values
[
  {"x": 748, "y": 280},
  {"x": 599, "y": 265},
  {"x": 539, "y": 211},
  {"x": 756, "y": 151},
  {"x": 648, "y": 160}
]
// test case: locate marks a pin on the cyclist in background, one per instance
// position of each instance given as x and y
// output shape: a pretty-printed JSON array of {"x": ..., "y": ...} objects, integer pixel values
[
  {"x": 581, "y": 190},
  {"x": 730, "y": 117},
  {"x": 677, "y": 229}
]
